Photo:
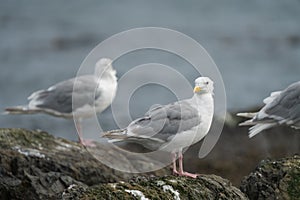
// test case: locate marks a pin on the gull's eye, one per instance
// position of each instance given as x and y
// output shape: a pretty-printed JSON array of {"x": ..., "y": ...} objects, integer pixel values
[{"x": 206, "y": 82}]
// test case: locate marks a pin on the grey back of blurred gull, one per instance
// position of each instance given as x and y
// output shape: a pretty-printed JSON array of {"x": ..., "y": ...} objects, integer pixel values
[
  {"x": 281, "y": 107},
  {"x": 78, "y": 97}
]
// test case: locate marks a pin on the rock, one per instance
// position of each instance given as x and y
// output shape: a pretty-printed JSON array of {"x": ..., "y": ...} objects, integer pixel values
[
  {"x": 167, "y": 187},
  {"x": 37, "y": 165},
  {"x": 274, "y": 180}
]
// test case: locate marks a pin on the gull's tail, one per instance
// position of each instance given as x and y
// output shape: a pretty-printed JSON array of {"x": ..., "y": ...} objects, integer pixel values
[
  {"x": 257, "y": 126},
  {"x": 249, "y": 122},
  {"x": 20, "y": 110},
  {"x": 123, "y": 135},
  {"x": 254, "y": 130},
  {"x": 115, "y": 135},
  {"x": 247, "y": 115}
]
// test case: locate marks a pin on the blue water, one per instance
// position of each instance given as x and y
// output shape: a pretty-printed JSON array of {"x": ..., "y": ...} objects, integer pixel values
[{"x": 256, "y": 46}]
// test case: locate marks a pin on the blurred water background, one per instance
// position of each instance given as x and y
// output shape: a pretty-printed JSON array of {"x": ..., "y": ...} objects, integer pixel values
[{"x": 255, "y": 44}]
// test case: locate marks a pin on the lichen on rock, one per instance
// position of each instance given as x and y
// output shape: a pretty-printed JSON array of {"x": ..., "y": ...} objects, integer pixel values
[
  {"x": 41, "y": 166},
  {"x": 274, "y": 179},
  {"x": 166, "y": 187},
  {"x": 36, "y": 165}
]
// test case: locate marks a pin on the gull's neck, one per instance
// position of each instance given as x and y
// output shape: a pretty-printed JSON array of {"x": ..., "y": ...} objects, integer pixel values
[
  {"x": 108, "y": 75},
  {"x": 202, "y": 95},
  {"x": 204, "y": 99}
]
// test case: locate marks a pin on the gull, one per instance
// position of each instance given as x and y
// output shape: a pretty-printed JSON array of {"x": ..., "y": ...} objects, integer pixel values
[
  {"x": 174, "y": 126},
  {"x": 75, "y": 98},
  {"x": 281, "y": 107}
]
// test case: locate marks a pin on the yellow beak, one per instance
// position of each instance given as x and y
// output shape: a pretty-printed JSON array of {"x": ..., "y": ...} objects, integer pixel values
[{"x": 197, "y": 89}]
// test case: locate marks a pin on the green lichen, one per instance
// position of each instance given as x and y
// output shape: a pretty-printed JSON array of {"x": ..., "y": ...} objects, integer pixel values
[
  {"x": 28, "y": 139},
  {"x": 155, "y": 188},
  {"x": 294, "y": 186},
  {"x": 23, "y": 137},
  {"x": 274, "y": 179}
]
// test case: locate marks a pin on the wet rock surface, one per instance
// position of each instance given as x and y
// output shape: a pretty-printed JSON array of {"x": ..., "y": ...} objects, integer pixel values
[
  {"x": 167, "y": 187},
  {"x": 274, "y": 179},
  {"x": 36, "y": 165}
]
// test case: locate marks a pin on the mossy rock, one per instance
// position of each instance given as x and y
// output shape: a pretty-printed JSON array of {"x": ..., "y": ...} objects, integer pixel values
[
  {"x": 37, "y": 165},
  {"x": 274, "y": 180},
  {"x": 167, "y": 187}
]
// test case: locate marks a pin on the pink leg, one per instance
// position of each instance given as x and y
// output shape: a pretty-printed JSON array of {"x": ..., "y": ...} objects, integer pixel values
[
  {"x": 174, "y": 163},
  {"x": 82, "y": 141},
  {"x": 181, "y": 172}
]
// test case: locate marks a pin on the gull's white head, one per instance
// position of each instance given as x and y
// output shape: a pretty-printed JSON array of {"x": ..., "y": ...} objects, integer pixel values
[
  {"x": 203, "y": 85},
  {"x": 103, "y": 66},
  {"x": 103, "y": 62}
]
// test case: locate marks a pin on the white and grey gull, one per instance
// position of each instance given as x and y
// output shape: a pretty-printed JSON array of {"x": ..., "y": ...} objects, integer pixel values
[
  {"x": 79, "y": 97},
  {"x": 174, "y": 126},
  {"x": 281, "y": 108}
]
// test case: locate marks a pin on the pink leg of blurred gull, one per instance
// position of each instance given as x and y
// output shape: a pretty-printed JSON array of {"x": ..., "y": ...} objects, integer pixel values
[{"x": 84, "y": 142}]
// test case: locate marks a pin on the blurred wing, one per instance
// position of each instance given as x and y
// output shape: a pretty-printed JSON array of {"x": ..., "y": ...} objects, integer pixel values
[
  {"x": 286, "y": 105},
  {"x": 271, "y": 98},
  {"x": 59, "y": 96}
]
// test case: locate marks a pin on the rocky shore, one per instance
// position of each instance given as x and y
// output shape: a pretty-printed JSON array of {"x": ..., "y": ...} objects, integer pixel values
[{"x": 36, "y": 165}]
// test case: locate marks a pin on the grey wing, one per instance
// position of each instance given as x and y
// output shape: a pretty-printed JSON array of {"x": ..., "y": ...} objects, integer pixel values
[
  {"x": 271, "y": 98},
  {"x": 59, "y": 96},
  {"x": 286, "y": 106},
  {"x": 163, "y": 122}
]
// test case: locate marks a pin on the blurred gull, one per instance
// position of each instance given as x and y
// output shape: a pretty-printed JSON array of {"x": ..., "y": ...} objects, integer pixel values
[
  {"x": 92, "y": 93},
  {"x": 281, "y": 107},
  {"x": 174, "y": 126}
]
